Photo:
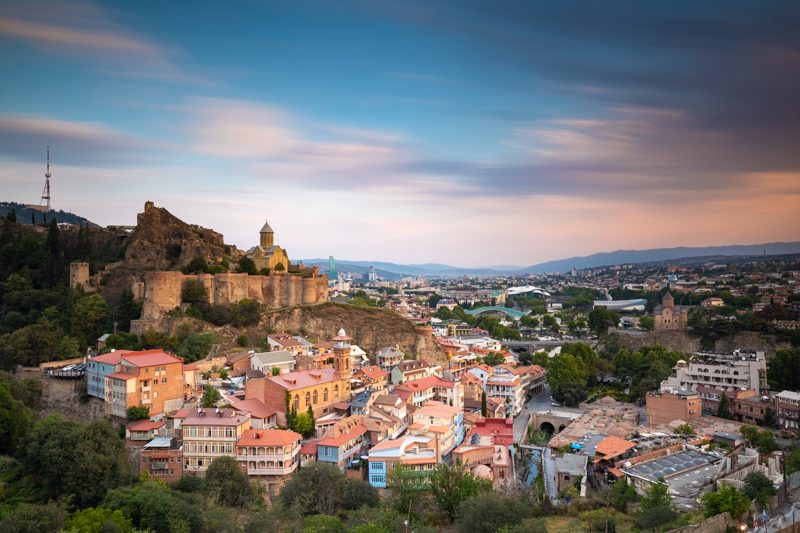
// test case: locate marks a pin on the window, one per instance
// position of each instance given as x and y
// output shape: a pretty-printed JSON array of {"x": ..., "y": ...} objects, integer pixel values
[
  {"x": 296, "y": 403},
  {"x": 308, "y": 399},
  {"x": 316, "y": 397},
  {"x": 336, "y": 391},
  {"x": 163, "y": 380},
  {"x": 325, "y": 395}
]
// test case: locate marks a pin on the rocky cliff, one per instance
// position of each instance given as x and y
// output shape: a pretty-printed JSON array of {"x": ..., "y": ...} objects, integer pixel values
[
  {"x": 688, "y": 342},
  {"x": 161, "y": 241},
  {"x": 371, "y": 328}
]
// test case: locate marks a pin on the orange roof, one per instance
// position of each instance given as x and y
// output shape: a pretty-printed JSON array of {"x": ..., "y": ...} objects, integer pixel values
[
  {"x": 110, "y": 358},
  {"x": 612, "y": 446},
  {"x": 305, "y": 378},
  {"x": 150, "y": 358},
  {"x": 254, "y": 406},
  {"x": 309, "y": 448},
  {"x": 268, "y": 437},
  {"x": 425, "y": 383},
  {"x": 374, "y": 372},
  {"x": 344, "y": 437},
  {"x": 145, "y": 425}
]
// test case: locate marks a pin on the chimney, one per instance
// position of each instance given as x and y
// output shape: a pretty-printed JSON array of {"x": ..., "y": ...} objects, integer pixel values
[{"x": 218, "y": 413}]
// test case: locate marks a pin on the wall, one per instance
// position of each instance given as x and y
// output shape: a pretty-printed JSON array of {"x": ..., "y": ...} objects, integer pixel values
[
  {"x": 716, "y": 524},
  {"x": 687, "y": 342}
]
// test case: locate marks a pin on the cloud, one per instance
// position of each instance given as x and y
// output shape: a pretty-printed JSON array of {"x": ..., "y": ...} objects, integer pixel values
[{"x": 89, "y": 33}]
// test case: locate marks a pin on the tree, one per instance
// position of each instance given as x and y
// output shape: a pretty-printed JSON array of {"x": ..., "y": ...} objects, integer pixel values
[
  {"x": 655, "y": 518},
  {"x": 657, "y": 495},
  {"x": 726, "y": 499},
  {"x": 724, "y": 411},
  {"x": 15, "y": 418},
  {"x": 152, "y": 506},
  {"x": 53, "y": 234},
  {"x": 601, "y": 319},
  {"x": 137, "y": 412},
  {"x": 304, "y": 424},
  {"x": 315, "y": 489},
  {"x": 494, "y": 359},
  {"x": 310, "y": 413},
  {"x": 489, "y": 511},
  {"x": 322, "y": 523},
  {"x": 769, "y": 418},
  {"x": 227, "y": 484},
  {"x": 484, "y": 409},
  {"x": 247, "y": 266},
  {"x": 750, "y": 434},
  {"x": 782, "y": 370},
  {"x": 684, "y": 429},
  {"x": 127, "y": 309},
  {"x": 355, "y": 493},
  {"x": 621, "y": 494},
  {"x": 758, "y": 487},
  {"x": 198, "y": 265},
  {"x": 280, "y": 267},
  {"x": 89, "y": 317},
  {"x": 766, "y": 442},
  {"x": 195, "y": 294},
  {"x": 647, "y": 323},
  {"x": 98, "y": 520},
  {"x": 211, "y": 396},
  {"x": 28, "y": 518},
  {"x": 453, "y": 484}
]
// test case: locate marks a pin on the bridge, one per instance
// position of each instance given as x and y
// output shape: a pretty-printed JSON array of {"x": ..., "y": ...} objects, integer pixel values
[{"x": 513, "y": 313}]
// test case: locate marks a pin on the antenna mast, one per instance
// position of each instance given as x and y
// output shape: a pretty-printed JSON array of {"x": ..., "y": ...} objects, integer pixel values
[{"x": 46, "y": 191}]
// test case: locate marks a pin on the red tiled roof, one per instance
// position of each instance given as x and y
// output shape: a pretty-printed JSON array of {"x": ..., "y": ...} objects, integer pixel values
[
  {"x": 110, "y": 358},
  {"x": 426, "y": 383},
  {"x": 374, "y": 372},
  {"x": 150, "y": 358},
  {"x": 268, "y": 437},
  {"x": 612, "y": 446},
  {"x": 357, "y": 431},
  {"x": 124, "y": 376},
  {"x": 145, "y": 425},
  {"x": 309, "y": 448},
  {"x": 255, "y": 407},
  {"x": 304, "y": 378}
]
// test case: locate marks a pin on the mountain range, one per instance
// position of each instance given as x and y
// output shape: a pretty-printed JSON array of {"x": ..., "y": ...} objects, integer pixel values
[{"x": 394, "y": 270}]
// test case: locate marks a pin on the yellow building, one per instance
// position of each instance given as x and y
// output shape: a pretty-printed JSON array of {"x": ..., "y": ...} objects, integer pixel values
[{"x": 267, "y": 254}]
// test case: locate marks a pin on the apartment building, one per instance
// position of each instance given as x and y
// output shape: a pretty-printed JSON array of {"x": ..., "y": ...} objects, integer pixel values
[
  {"x": 268, "y": 454},
  {"x": 162, "y": 458},
  {"x": 506, "y": 387},
  {"x": 388, "y": 358},
  {"x": 151, "y": 378},
  {"x": 423, "y": 390},
  {"x": 408, "y": 371},
  {"x": 729, "y": 372},
  {"x": 97, "y": 368},
  {"x": 787, "y": 405},
  {"x": 664, "y": 407},
  {"x": 443, "y": 420},
  {"x": 208, "y": 434},
  {"x": 344, "y": 442}
]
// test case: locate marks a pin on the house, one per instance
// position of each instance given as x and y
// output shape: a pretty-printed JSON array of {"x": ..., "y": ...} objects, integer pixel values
[
  {"x": 141, "y": 432},
  {"x": 752, "y": 409},
  {"x": 358, "y": 357},
  {"x": 570, "y": 469},
  {"x": 268, "y": 454},
  {"x": 97, "y": 368},
  {"x": 686, "y": 471},
  {"x": 610, "y": 450},
  {"x": 151, "y": 378},
  {"x": 344, "y": 442},
  {"x": 445, "y": 421},
  {"x": 208, "y": 434},
  {"x": 239, "y": 363},
  {"x": 286, "y": 342},
  {"x": 421, "y": 391},
  {"x": 162, "y": 458},
  {"x": 486, "y": 459},
  {"x": 308, "y": 453},
  {"x": 408, "y": 371},
  {"x": 532, "y": 377},
  {"x": 506, "y": 386},
  {"x": 501, "y": 430},
  {"x": 418, "y": 453},
  {"x": 388, "y": 358},
  {"x": 268, "y": 362},
  {"x": 261, "y": 415},
  {"x": 663, "y": 407},
  {"x": 373, "y": 376}
]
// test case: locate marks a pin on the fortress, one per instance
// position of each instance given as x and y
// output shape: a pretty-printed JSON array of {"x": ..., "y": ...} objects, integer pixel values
[{"x": 162, "y": 291}]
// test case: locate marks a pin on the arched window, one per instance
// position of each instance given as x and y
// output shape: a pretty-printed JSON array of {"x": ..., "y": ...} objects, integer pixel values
[
  {"x": 336, "y": 391},
  {"x": 296, "y": 403},
  {"x": 325, "y": 395},
  {"x": 316, "y": 397},
  {"x": 308, "y": 399}
]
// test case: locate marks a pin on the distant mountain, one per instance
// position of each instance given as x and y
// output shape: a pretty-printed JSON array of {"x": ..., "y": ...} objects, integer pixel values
[
  {"x": 662, "y": 254},
  {"x": 24, "y": 214}
]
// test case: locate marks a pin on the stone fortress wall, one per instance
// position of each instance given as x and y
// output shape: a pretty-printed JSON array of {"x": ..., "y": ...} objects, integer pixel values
[{"x": 162, "y": 291}]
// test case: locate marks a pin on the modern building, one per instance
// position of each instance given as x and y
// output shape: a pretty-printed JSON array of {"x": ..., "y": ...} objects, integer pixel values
[
  {"x": 664, "y": 407},
  {"x": 343, "y": 443},
  {"x": 726, "y": 371},
  {"x": 506, "y": 386},
  {"x": 208, "y": 434},
  {"x": 151, "y": 378}
]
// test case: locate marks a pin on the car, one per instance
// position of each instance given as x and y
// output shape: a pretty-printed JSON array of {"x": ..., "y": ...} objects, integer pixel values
[
  {"x": 555, "y": 404},
  {"x": 68, "y": 368}
]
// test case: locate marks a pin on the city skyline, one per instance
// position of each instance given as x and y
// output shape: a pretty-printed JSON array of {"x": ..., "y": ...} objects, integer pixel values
[{"x": 409, "y": 133}]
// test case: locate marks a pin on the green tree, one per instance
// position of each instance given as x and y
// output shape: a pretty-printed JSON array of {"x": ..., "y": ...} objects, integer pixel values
[
  {"x": 53, "y": 234},
  {"x": 723, "y": 410},
  {"x": 137, "y": 412},
  {"x": 657, "y": 495},
  {"x": 453, "y": 484},
  {"x": 758, "y": 487},
  {"x": 769, "y": 418},
  {"x": 726, "y": 499},
  {"x": 247, "y": 266},
  {"x": 315, "y": 489},
  {"x": 322, "y": 523},
  {"x": 601, "y": 319},
  {"x": 29, "y": 518},
  {"x": 98, "y": 520},
  {"x": 127, "y": 309},
  {"x": 684, "y": 429},
  {"x": 766, "y": 442},
  {"x": 198, "y": 265},
  {"x": 494, "y": 359},
  {"x": 621, "y": 494},
  {"x": 355, "y": 493},
  {"x": 15, "y": 418},
  {"x": 211, "y": 396},
  {"x": 89, "y": 318},
  {"x": 227, "y": 484},
  {"x": 196, "y": 346},
  {"x": 750, "y": 434},
  {"x": 484, "y": 409},
  {"x": 303, "y": 424},
  {"x": 647, "y": 323},
  {"x": 280, "y": 267},
  {"x": 154, "y": 507},
  {"x": 782, "y": 370},
  {"x": 487, "y": 512}
]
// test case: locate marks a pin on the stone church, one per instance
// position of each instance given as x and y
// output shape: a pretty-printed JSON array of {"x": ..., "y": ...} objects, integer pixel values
[
  {"x": 671, "y": 316},
  {"x": 267, "y": 254}
]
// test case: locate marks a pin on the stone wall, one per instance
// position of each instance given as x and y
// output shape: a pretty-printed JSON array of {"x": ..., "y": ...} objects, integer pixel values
[
  {"x": 688, "y": 342},
  {"x": 162, "y": 291},
  {"x": 79, "y": 277}
]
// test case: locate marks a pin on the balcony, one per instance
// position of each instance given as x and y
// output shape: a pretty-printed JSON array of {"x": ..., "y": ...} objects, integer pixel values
[
  {"x": 269, "y": 456},
  {"x": 159, "y": 465},
  {"x": 145, "y": 389},
  {"x": 271, "y": 471}
]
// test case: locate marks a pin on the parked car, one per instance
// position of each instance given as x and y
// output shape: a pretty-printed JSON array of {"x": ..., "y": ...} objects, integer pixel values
[{"x": 555, "y": 404}]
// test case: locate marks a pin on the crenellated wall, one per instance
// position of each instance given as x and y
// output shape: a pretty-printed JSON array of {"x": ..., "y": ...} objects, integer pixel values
[{"x": 162, "y": 291}]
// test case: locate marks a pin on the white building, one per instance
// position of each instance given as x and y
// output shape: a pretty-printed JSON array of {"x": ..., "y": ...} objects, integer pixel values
[{"x": 729, "y": 372}]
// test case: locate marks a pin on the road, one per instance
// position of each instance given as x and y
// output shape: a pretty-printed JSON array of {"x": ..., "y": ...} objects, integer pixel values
[{"x": 535, "y": 345}]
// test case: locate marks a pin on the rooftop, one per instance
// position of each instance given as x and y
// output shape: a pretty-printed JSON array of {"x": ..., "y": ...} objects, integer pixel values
[
  {"x": 268, "y": 437},
  {"x": 670, "y": 465},
  {"x": 305, "y": 378},
  {"x": 150, "y": 358}
]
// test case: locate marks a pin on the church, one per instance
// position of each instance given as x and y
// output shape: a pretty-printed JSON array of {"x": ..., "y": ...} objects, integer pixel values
[
  {"x": 267, "y": 255},
  {"x": 671, "y": 316}
]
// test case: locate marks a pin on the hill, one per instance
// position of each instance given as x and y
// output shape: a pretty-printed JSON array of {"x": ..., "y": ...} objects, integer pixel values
[{"x": 25, "y": 214}]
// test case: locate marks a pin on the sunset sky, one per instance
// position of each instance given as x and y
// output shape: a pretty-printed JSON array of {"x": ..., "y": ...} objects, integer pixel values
[{"x": 468, "y": 133}]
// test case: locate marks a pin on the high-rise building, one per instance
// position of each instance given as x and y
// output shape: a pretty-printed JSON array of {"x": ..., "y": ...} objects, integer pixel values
[{"x": 333, "y": 276}]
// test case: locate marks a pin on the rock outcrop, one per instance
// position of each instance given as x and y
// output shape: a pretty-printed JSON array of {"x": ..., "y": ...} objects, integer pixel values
[{"x": 161, "y": 241}]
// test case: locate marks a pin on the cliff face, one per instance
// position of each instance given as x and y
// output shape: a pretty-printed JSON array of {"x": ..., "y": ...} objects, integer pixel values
[
  {"x": 161, "y": 241},
  {"x": 687, "y": 342},
  {"x": 371, "y": 328}
]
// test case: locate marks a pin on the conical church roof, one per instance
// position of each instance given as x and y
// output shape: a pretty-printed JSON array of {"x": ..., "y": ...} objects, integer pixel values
[{"x": 266, "y": 228}]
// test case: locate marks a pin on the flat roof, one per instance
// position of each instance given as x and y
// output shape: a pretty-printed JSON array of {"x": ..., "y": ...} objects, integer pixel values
[{"x": 671, "y": 465}]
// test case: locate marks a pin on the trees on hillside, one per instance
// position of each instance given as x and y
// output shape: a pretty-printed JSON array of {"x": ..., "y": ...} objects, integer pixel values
[
  {"x": 453, "y": 484},
  {"x": 601, "y": 319}
]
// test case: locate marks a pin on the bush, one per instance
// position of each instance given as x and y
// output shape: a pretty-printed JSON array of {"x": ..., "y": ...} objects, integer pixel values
[
  {"x": 227, "y": 483},
  {"x": 137, "y": 412},
  {"x": 489, "y": 511}
]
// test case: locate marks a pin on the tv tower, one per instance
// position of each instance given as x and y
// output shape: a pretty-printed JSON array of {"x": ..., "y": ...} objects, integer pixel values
[{"x": 46, "y": 191}]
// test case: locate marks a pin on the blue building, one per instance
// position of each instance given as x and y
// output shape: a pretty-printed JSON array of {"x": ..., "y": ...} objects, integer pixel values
[{"x": 97, "y": 368}]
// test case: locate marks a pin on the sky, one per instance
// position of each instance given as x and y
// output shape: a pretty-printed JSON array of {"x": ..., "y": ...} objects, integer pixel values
[{"x": 460, "y": 132}]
